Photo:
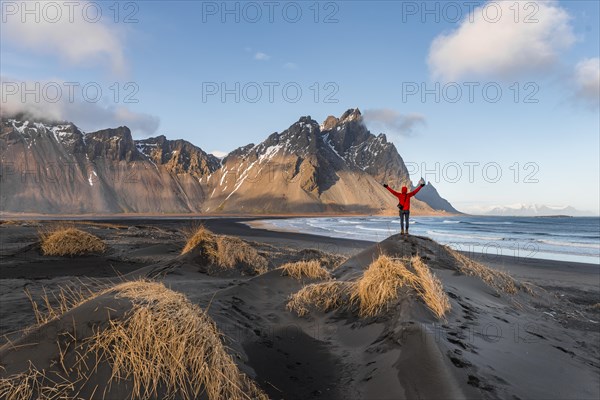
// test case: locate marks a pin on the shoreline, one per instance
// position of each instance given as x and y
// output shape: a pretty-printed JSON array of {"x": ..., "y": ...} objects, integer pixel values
[
  {"x": 259, "y": 224},
  {"x": 537, "y": 270},
  {"x": 252, "y": 228},
  {"x": 571, "y": 273}
]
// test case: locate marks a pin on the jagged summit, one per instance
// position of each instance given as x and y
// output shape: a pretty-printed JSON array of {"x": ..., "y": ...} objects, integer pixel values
[
  {"x": 351, "y": 115},
  {"x": 329, "y": 123},
  {"x": 349, "y": 137}
]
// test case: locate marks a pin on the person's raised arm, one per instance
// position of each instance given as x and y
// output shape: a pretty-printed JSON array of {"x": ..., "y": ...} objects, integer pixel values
[
  {"x": 416, "y": 190},
  {"x": 392, "y": 191}
]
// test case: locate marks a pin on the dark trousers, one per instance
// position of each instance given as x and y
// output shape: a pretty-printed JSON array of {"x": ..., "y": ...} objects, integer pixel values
[{"x": 404, "y": 214}]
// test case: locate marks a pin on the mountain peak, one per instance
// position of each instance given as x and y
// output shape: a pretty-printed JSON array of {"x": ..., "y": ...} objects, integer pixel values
[
  {"x": 382, "y": 137},
  {"x": 350, "y": 115},
  {"x": 306, "y": 120},
  {"x": 329, "y": 123},
  {"x": 305, "y": 126}
]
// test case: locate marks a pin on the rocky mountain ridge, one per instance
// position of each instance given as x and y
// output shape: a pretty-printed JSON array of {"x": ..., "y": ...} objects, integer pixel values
[{"x": 336, "y": 166}]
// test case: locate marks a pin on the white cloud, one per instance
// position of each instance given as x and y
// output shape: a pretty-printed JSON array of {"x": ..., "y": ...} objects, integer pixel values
[
  {"x": 140, "y": 123},
  {"x": 262, "y": 56},
  {"x": 73, "y": 39},
  {"x": 88, "y": 115},
  {"x": 587, "y": 81},
  {"x": 290, "y": 65},
  {"x": 502, "y": 49},
  {"x": 391, "y": 121}
]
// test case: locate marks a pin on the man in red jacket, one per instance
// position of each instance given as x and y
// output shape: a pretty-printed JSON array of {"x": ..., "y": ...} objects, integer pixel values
[{"x": 404, "y": 203}]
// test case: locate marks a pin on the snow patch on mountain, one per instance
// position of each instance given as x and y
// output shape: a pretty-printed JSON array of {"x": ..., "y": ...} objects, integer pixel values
[
  {"x": 145, "y": 148},
  {"x": 325, "y": 138},
  {"x": 270, "y": 152}
]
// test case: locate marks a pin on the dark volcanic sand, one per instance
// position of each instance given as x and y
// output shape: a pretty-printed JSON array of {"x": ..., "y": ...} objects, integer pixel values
[{"x": 490, "y": 346}]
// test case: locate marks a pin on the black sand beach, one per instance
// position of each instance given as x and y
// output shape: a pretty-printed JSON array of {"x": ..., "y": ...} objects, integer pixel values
[{"x": 544, "y": 344}]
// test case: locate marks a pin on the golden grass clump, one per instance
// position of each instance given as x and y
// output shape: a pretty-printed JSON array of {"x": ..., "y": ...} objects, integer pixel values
[
  {"x": 430, "y": 288},
  {"x": 225, "y": 251},
  {"x": 376, "y": 289},
  {"x": 197, "y": 237},
  {"x": 309, "y": 269},
  {"x": 379, "y": 285},
  {"x": 168, "y": 342},
  {"x": 165, "y": 346},
  {"x": 324, "y": 296},
  {"x": 69, "y": 241},
  {"x": 231, "y": 251},
  {"x": 498, "y": 280}
]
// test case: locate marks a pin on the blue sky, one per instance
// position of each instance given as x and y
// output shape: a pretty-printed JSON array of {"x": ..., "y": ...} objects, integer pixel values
[{"x": 167, "y": 55}]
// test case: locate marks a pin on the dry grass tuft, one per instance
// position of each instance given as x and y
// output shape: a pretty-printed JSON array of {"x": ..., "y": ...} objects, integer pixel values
[
  {"x": 56, "y": 304},
  {"x": 69, "y": 241},
  {"x": 225, "y": 251},
  {"x": 309, "y": 269},
  {"x": 35, "y": 384},
  {"x": 379, "y": 285},
  {"x": 325, "y": 296},
  {"x": 430, "y": 288},
  {"x": 167, "y": 342},
  {"x": 498, "y": 280},
  {"x": 231, "y": 251},
  {"x": 595, "y": 307},
  {"x": 165, "y": 346},
  {"x": 375, "y": 290},
  {"x": 197, "y": 237}
]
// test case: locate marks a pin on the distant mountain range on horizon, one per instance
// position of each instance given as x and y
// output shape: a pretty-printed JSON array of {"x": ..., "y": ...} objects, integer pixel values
[
  {"x": 532, "y": 210},
  {"x": 336, "y": 166}
]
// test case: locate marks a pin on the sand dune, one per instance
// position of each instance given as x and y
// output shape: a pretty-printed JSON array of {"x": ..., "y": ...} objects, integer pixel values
[{"x": 496, "y": 340}]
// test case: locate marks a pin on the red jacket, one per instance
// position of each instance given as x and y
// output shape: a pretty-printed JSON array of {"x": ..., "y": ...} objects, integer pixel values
[{"x": 404, "y": 197}]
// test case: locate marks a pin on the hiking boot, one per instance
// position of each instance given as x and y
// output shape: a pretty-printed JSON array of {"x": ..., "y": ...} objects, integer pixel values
[
  {"x": 402, "y": 232},
  {"x": 407, "y": 232}
]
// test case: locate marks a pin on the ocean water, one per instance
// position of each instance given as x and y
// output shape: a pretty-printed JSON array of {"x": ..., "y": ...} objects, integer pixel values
[{"x": 555, "y": 238}]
